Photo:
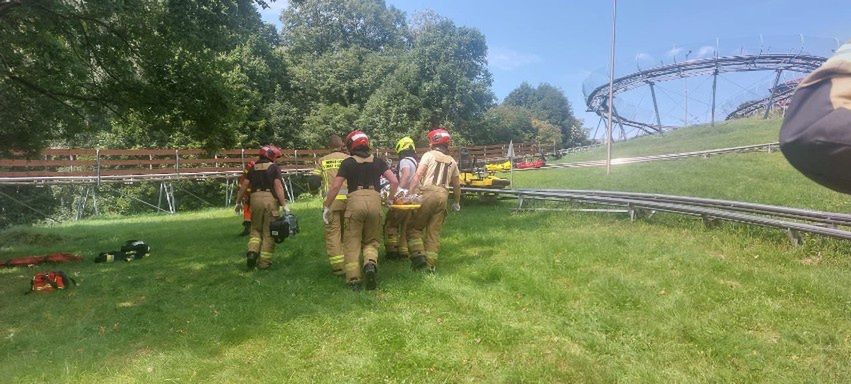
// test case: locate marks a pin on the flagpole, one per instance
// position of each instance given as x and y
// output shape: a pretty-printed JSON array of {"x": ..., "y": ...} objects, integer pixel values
[
  {"x": 611, "y": 92},
  {"x": 511, "y": 161}
]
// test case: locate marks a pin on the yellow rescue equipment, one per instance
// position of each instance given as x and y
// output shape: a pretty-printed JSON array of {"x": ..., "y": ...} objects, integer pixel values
[
  {"x": 478, "y": 177},
  {"x": 499, "y": 167}
]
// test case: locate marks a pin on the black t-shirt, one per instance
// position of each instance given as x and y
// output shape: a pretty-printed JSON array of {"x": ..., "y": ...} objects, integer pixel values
[
  {"x": 362, "y": 175},
  {"x": 263, "y": 175}
]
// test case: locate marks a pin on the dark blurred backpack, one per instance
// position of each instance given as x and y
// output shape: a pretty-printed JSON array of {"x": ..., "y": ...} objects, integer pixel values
[{"x": 131, "y": 250}]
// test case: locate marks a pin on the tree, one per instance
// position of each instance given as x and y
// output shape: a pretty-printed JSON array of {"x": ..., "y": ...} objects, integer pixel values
[
  {"x": 452, "y": 81},
  {"x": 316, "y": 27},
  {"x": 549, "y": 104},
  {"x": 137, "y": 72},
  {"x": 505, "y": 123}
]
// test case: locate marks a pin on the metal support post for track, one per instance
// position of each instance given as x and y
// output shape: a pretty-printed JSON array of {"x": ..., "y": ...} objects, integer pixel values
[
  {"x": 229, "y": 191},
  {"x": 655, "y": 104},
  {"x": 95, "y": 200},
  {"x": 714, "y": 92},
  {"x": 80, "y": 204},
  {"x": 709, "y": 221},
  {"x": 773, "y": 91},
  {"x": 167, "y": 190},
  {"x": 794, "y": 237}
]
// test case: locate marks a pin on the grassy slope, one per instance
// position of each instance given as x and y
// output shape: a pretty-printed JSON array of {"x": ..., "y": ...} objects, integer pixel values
[
  {"x": 724, "y": 135},
  {"x": 540, "y": 297}
]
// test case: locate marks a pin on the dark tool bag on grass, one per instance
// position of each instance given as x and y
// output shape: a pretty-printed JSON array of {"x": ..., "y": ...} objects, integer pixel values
[
  {"x": 44, "y": 282},
  {"x": 131, "y": 250}
]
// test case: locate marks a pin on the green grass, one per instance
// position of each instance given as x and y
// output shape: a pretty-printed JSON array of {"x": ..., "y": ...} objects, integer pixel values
[
  {"x": 531, "y": 297},
  {"x": 724, "y": 134}
]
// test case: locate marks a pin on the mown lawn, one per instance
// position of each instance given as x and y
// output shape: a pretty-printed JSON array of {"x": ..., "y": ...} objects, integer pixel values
[
  {"x": 518, "y": 297},
  {"x": 537, "y": 297}
]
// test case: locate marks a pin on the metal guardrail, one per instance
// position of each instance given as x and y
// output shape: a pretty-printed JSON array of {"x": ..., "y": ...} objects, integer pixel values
[
  {"x": 791, "y": 220},
  {"x": 769, "y": 147}
]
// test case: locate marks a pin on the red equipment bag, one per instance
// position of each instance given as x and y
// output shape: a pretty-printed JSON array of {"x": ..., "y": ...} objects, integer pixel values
[
  {"x": 28, "y": 261},
  {"x": 44, "y": 282}
]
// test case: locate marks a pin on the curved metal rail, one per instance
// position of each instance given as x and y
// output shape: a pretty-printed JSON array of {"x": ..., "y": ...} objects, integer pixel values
[
  {"x": 805, "y": 221},
  {"x": 597, "y": 99}
]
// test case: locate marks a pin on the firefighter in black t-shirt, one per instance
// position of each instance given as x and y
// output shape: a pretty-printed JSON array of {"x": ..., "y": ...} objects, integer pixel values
[
  {"x": 267, "y": 195},
  {"x": 362, "y": 221}
]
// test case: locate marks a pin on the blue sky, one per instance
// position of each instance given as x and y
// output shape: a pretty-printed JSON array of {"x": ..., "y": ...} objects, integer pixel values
[{"x": 562, "y": 42}]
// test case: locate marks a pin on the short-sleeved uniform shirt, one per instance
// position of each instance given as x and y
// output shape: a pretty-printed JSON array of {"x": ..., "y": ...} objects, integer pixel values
[
  {"x": 362, "y": 173},
  {"x": 409, "y": 164},
  {"x": 440, "y": 169},
  {"x": 262, "y": 177},
  {"x": 328, "y": 168}
]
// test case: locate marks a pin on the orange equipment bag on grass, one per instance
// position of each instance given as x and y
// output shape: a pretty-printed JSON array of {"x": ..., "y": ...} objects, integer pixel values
[{"x": 44, "y": 282}]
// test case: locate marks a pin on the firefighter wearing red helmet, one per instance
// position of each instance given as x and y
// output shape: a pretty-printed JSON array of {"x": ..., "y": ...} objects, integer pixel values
[
  {"x": 266, "y": 197},
  {"x": 436, "y": 172},
  {"x": 362, "y": 221}
]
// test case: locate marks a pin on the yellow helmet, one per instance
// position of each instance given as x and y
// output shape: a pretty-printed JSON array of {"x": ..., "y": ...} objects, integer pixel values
[{"x": 405, "y": 143}]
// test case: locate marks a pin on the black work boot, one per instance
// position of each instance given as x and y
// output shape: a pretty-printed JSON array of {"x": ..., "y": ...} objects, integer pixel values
[
  {"x": 251, "y": 260},
  {"x": 354, "y": 286},
  {"x": 418, "y": 261},
  {"x": 246, "y": 228},
  {"x": 391, "y": 255},
  {"x": 370, "y": 273}
]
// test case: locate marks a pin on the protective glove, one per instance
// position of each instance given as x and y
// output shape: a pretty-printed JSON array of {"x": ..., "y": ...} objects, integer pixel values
[
  {"x": 238, "y": 208},
  {"x": 287, "y": 208},
  {"x": 456, "y": 207},
  {"x": 326, "y": 215},
  {"x": 401, "y": 192}
]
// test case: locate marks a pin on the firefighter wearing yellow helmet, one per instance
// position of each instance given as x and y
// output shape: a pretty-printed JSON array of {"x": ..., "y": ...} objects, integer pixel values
[
  {"x": 395, "y": 227},
  {"x": 436, "y": 172},
  {"x": 327, "y": 169}
]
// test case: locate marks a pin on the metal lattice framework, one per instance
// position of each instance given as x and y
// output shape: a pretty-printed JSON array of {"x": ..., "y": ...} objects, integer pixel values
[{"x": 597, "y": 99}]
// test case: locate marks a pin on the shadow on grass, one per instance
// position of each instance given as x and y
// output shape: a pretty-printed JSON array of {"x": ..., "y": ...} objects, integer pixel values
[{"x": 191, "y": 295}]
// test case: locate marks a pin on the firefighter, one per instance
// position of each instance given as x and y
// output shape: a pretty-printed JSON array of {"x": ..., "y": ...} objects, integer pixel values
[
  {"x": 395, "y": 227},
  {"x": 361, "y": 172},
  {"x": 327, "y": 170},
  {"x": 246, "y": 203},
  {"x": 266, "y": 198},
  {"x": 436, "y": 172}
]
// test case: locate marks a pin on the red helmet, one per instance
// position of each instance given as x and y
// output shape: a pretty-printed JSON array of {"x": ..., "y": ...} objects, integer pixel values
[
  {"x": 270, "y": 152},
  {"x": 357, "y": 140},
  {"x": 439, "y": 136}
]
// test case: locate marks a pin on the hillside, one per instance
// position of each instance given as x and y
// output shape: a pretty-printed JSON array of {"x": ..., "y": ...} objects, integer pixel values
[
  {"x": 532, "y": 297},
  {"x": 724, "y": 134}
]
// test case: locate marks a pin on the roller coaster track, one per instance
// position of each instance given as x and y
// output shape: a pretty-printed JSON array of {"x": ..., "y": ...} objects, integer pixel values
[
  {"x": 671, "y": 156},
  {"x": 597, "y": 99},
  {"x": 793, "y": 221}
]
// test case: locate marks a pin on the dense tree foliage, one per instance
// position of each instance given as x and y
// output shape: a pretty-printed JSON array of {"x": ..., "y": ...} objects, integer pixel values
[
  {"x": 549, "y": 104},
  {"x": 211, "y": 74}
]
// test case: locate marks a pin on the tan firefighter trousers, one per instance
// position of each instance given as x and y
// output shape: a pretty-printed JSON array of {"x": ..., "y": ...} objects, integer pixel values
[
  {"x": 264, "y": 210},
  {"x": 361, "y": 231},
  {"x": 395, "y": 231},
  {"x": 334, "y": 236},
  {"x": 424, "y": 228}
]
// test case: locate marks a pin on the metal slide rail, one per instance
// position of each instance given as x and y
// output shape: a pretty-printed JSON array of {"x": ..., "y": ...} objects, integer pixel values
[
  {"x": 597, "y": 99},
  {"x": 806, "y": 221},
  {"x": 768, "y": 147}
]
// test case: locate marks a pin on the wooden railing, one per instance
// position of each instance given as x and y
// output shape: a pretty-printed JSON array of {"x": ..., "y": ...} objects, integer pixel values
[{"x": 86, "y": 165}]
